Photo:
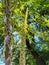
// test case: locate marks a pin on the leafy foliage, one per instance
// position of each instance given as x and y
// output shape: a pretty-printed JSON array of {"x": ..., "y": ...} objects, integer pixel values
[{"x": 37, "y": 27}]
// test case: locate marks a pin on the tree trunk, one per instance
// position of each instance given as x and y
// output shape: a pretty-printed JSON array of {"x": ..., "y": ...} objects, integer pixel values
[
  {"x": 23, "y": 43},
  {"x": 22, "y": 52},
  {"x": 7, "y": 31},
  {"x": 34, "y": 53}
]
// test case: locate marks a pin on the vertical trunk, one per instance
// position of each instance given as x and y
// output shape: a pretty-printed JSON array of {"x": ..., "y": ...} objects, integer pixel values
[
  {"x": 22, "y": 52},
  {"x": 23, "y": 43},
  {"x": 8, "y": 31}
]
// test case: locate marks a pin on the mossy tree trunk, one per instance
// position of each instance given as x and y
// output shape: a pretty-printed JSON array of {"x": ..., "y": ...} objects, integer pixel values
[
  {"x": 23, "y": 41},
  {"x": 7, "y": 31}
]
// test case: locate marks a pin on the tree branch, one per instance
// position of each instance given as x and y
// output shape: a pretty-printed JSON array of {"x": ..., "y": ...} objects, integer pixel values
[{"x": 34, "y": 53}]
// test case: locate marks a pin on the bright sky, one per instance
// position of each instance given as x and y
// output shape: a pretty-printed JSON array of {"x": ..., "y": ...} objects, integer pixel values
[{"x": 1, "y": 63}]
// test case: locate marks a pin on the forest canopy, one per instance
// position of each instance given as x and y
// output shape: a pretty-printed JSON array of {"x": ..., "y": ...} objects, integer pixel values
[{"x": 24, "y": 32}]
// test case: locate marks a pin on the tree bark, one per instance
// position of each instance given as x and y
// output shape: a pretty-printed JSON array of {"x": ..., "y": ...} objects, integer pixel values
[
  {"x": 7, "y": 31},
  {"x": 23, "y": 43},
  {"x": 34, "y": 53}
]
